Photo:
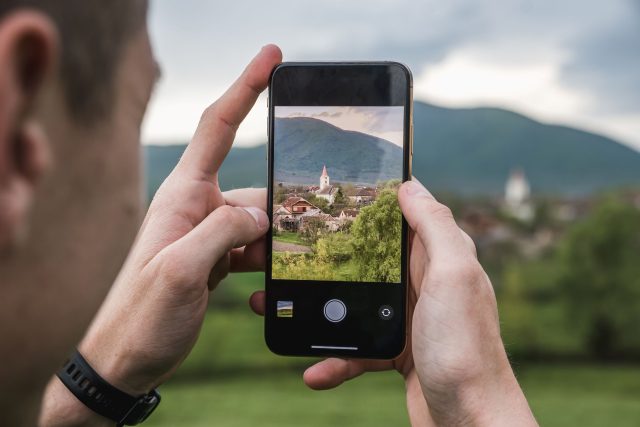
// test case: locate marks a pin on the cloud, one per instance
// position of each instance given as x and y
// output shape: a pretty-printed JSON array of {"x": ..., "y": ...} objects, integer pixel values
[
  {"x": 382, "y": 122},
  {"x": 607, "y": 62},
  {"x": 465, "y": 78},
  {"x": 327, "y": 114},
  {"x": 572, "y": 61}
]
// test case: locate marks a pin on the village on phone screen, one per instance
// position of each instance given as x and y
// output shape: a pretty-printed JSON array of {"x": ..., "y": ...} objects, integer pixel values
[{"x": 335, "y": 209}]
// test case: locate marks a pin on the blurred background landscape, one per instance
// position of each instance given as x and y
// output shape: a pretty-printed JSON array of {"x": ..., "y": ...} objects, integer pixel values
[{"x": 527, "y": 123}]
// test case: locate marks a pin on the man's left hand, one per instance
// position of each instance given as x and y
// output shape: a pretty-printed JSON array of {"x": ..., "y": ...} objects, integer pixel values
[{"x": 192, "y": 236}]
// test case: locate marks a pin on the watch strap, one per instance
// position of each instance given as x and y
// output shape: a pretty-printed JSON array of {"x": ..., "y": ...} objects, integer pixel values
[{"x": 103, "y": 398}]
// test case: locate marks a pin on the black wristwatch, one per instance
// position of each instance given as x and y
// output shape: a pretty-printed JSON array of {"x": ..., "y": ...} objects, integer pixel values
[{"x": 103, "y": 398}]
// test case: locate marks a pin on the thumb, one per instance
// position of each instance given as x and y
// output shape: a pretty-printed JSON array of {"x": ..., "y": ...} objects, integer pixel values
[
  {"x": 223, "y": 229},
  {"x": 432, "y": 222}
]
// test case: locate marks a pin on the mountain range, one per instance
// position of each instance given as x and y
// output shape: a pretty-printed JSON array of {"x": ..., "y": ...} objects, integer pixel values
[
  {"x": 468, "y": 151},
  {"x": 304, "y": 145}
]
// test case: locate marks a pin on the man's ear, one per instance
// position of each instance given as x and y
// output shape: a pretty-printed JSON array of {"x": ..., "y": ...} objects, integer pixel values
[{"x": 28, "y": 56}]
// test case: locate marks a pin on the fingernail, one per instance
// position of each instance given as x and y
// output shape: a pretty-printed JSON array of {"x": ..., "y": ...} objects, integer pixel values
[{"x": 260, "y": 216}]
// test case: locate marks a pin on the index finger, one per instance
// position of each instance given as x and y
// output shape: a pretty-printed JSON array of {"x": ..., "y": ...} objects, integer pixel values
[
  {"x": 330, "y": 373},
  {"x": 219, "y": 123}
]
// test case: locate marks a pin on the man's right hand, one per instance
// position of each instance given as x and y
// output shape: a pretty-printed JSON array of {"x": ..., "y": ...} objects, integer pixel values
[{"x": 457, "y": 349}]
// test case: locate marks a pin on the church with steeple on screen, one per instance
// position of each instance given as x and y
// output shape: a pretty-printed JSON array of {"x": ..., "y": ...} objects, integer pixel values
[{"x": 326, "y": 190}]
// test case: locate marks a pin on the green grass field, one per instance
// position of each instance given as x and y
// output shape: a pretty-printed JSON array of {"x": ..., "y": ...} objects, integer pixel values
[
  {"x": 559, "y": 395},
  {"x": 280, "y": 399},
  {"x": 289, "y": 237},
  {"x": 231, "y": 379},
  {"x": 584, "y": 396}
]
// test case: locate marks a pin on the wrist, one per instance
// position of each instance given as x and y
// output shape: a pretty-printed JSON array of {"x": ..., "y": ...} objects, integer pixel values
[
  {"x": 116, "y": 366},
  {"x": 93, "y": 391},
  {"x": 61, "y": 408},
  {"x": 499, "y": 401},
  {"x": 492, "y": 400}
]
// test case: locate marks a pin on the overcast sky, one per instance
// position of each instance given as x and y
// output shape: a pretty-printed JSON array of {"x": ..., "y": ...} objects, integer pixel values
[
  {"x": 383, "y": 122},
  {"x": 574, "y": 62}
]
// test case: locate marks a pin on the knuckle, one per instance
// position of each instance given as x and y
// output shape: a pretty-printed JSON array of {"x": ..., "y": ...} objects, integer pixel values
[
  {"x": 438, "y": 210},
  {"x": 230, "y": 223},
  {"x": 208, "y": 112},
  {"x": 470, "y": 243},
  {"x": 215, "y": 115},
  {"x": 467, "y": 270},
  {"x": 471, "y": 271},
  {"x": 433, "y": 212},
  {"x": 227, "y": 216}
]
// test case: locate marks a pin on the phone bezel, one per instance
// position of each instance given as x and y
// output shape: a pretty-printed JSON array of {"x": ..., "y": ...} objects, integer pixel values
[{"x": 406, "y": 96}]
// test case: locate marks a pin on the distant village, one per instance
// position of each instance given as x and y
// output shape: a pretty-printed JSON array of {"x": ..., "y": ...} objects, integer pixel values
[
  {"x": 295, "y": 212},
  {"x": 529, "y": 224}
]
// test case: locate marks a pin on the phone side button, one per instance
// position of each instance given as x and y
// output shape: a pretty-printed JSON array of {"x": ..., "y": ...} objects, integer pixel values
[{"x": 411, "y": 136}]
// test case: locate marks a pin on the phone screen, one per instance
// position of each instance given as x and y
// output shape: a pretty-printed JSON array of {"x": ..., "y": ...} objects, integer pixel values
[
  {"x": 336, "y": 279},
  {"x": 336, "y": 174}
]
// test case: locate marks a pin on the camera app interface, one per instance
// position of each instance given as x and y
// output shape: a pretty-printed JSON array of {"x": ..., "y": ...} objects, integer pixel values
[{"x": 336, "y": 175}]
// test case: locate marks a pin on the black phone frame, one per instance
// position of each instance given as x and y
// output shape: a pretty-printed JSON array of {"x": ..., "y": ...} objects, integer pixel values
[{"x": 338, "y": 84}]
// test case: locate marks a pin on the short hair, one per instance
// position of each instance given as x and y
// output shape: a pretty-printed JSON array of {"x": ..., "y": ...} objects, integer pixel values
[{"x": 93, "y": 35}]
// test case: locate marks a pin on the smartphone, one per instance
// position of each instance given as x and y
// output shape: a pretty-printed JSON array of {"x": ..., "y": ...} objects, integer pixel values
[{"x": 340, "y": 142}]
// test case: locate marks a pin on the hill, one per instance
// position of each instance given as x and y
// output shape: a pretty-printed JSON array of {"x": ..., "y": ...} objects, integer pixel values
[
  {"x": 466, "y": 151},
  {"x": 306, "y": 144},
  {"x": 472, "y": 151}
]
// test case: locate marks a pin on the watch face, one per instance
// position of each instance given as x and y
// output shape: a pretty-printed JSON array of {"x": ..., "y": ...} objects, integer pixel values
[
  {"x": 143, "y": 408},
  {"x": 339, "y": 146}
]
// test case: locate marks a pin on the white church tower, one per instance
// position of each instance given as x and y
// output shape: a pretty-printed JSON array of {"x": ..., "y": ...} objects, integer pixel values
[
  {"x": 517, "y": 196},
  {"x": 517, "y": 190},
  {"x": 324, "y": 178}
]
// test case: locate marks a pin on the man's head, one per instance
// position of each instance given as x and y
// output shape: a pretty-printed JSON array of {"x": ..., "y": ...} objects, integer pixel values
[{"x": 75, "y": 79}]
